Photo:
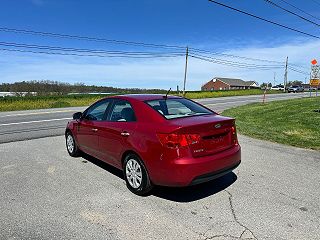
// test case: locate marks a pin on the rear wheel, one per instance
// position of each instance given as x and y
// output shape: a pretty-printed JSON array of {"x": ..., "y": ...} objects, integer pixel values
[
  {"x": 136, "y": 175},
  {"x": 71, "y": 145}
]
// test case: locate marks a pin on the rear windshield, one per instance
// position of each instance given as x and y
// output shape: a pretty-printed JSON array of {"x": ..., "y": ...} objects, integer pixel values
[{"x": 177, "y": 108}]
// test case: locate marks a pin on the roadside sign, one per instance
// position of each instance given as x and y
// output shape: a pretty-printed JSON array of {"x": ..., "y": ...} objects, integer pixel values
[
  {"x": 314, "y": 82},
  {"x": 315, "y": 75}
]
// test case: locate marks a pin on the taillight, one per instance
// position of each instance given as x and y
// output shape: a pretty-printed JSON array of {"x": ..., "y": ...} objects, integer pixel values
[
  {"x": 234, "y": 135},
  {"x": 193, "y": 138},
  {"x": 174, "y": 140}
]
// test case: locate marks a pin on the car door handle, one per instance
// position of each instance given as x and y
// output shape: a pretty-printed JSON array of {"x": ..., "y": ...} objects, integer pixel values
[
  {"x": 94, "y": 130},
  {"x": 125, "y": 134}
]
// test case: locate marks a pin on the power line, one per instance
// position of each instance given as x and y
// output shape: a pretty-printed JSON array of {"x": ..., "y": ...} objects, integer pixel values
[
  {"x": 316, "y": 2},
  {"x": 99, "y": 53},
  {"x": 54, "y": 50},
  {"x": 293, "y": 13},
  {"x": 95, "y": 39},
  {"x": 216, "y": 61},
  {"x": 239, "y": 57},
  {"x": 81, "y": 50},
  {"x": 102, "y": 53},
  {"x": 232, "y": 64},
  {"x": 141, "y": 44},
  {"x": 235, "y": 62},
  {"x": 298, "y": 71},
  {"x": 85, "y": 55},
  {"x": 299, "y": 9},
  {"x": 264, "y": 19},
  {"x": 265, "y": 68},
  {"x": 232, "y": 56}
]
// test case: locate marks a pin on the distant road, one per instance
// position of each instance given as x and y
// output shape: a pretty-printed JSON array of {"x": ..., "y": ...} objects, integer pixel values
[{"x": 32, "y": 124}]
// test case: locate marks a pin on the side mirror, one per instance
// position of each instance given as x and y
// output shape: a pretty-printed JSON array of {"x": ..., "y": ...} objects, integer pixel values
[{"x": 77, "y": 116}]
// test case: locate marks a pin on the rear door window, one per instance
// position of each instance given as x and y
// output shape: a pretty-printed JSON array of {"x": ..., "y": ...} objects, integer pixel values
[{"x": 122, "y": 111}]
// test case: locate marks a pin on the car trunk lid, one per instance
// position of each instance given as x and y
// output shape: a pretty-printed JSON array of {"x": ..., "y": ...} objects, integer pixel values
[{"x": 209, "y": 133}]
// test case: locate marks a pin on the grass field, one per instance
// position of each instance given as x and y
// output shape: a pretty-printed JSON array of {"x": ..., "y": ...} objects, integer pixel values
[
  {"x": 291, "y": 122},
  {"x": 230, "y": 93},
  {"x": 40, "y": 102}
]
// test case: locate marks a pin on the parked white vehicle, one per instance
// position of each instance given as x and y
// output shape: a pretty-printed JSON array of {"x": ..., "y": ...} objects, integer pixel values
[
  {"x": 14, "y": 94},
  {"x": 278, "y": 87}
]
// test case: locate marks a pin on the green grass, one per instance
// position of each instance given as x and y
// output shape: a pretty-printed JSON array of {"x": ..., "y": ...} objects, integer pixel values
[
  {"x": 40, "y": 102},
  {"x": 229, "y": 93},
  {"x": 291, "y": 122}
]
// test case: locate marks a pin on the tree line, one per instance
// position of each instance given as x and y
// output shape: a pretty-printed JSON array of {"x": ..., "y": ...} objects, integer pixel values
[{"x": 48, "y": 87}]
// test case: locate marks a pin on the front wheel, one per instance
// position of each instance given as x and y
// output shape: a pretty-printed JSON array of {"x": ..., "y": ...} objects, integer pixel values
[
  {"x": 71, "y": 145},
  {"x": 136, "y": 175}
]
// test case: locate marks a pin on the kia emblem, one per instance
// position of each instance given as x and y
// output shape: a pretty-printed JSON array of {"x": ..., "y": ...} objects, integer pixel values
[{"x": 217, "y": 125}]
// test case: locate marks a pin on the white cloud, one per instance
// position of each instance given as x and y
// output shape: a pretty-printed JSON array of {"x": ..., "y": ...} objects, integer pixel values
[{"x": 163, "y": 73}]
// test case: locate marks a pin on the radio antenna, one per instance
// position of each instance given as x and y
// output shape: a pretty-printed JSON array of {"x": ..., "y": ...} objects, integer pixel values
[{"x": 165, "y": 97}]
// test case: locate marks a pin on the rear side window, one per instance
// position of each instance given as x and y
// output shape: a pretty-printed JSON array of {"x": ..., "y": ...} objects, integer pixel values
[
  {"x": 122, "y": 112},
  {"x": 177, "y": 108}
]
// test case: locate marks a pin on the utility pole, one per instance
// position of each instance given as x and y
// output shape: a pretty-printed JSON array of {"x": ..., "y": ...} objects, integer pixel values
[
  {"x": 185, "y": 72},
  {"x": 285, "y": 76},
  {"x": 274, "y": 78}
]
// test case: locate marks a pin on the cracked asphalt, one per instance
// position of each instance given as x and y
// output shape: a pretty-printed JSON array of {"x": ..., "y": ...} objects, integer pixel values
[{"x": 45, "y": 194}]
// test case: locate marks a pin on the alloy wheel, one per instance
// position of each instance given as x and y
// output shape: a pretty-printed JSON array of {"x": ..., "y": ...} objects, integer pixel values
[
  {"x": 70, "y": 143},
  {"x": 134, "y": 173}
]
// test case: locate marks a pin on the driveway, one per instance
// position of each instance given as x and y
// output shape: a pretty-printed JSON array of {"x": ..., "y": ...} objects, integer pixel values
[{"x": 45, "y": 194}]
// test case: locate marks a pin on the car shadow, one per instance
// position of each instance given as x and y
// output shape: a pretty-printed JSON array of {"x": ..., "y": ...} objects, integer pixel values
[
  {"x": 176, "y": 194},
  {"x": 197, "y": 192},
  {"x": 111, "y": 169}
]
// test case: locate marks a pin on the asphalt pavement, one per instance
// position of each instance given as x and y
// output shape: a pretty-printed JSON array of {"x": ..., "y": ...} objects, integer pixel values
[
  {"x": 33, "y": 124},
  {"x": 46, "y": 194}
]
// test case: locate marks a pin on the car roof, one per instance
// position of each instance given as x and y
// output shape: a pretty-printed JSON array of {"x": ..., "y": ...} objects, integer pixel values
[{"x": 144, "y": 97}]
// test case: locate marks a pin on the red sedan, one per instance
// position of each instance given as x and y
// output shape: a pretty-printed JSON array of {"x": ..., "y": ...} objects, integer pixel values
[{"x": 156, "y": 140}]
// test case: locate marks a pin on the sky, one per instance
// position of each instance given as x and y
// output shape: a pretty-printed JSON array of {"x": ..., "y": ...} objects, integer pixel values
[{"x": 193, "y": 23}]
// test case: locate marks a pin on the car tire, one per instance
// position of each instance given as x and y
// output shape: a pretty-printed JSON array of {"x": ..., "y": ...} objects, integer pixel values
[
  {"x": 71, "y": 145},
  {"x": 136, "y": 175}
]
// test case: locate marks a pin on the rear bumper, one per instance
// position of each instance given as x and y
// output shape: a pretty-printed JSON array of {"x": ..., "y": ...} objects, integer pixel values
[
  {"x": 211, "y": 176},
  {"x": 191, "y": 171}
]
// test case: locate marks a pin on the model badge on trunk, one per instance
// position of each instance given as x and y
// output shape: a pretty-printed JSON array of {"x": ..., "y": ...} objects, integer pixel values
[{"x": 217, "y": 125}]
